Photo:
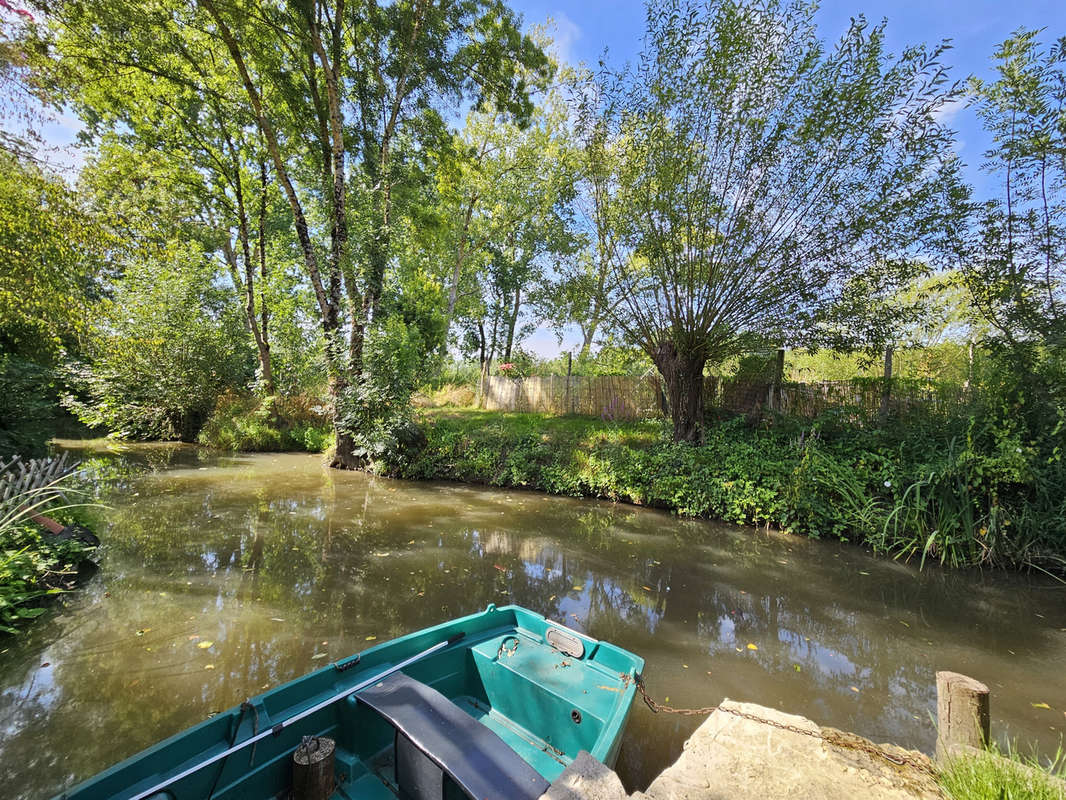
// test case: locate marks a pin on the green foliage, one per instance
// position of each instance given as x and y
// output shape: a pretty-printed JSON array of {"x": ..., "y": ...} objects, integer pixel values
[
  {"x": 27, "y": 406},
  {"x": 164, "y": 350},
  {"x": 50, "y": 251},
  {"x": 255, "y": 424},
  {"x": 994, "y": 775},
  {"x": 33, "y": 565}
]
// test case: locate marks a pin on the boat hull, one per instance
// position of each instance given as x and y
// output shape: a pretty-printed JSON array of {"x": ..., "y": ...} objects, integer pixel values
[{"x": 545, "y": 691}]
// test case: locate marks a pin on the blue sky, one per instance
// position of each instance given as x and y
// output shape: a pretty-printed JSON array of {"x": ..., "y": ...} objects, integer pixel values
[{"x": 975, "y": 28}]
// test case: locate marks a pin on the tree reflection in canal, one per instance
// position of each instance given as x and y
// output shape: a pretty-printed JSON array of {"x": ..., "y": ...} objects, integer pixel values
[{"x": 225, "y": 575}]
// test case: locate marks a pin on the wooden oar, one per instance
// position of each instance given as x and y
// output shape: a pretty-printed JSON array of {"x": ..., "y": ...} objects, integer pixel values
[{"x": 277, "y": 729}]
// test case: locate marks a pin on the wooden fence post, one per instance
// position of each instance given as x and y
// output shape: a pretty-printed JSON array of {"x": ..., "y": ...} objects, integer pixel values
[
  {"x": 569, "y": 368},
  {"x": 962, "y": 713},
  {"x": 773, "y": 400},
  {"x": 886, "y": 389}
]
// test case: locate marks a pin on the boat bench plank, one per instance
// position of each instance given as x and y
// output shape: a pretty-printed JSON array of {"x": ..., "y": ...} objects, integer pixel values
[{"x": 473, "y": 756}]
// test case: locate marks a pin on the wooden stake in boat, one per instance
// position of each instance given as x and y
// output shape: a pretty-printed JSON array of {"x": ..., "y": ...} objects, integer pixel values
[{"x": 312, "y": 769}]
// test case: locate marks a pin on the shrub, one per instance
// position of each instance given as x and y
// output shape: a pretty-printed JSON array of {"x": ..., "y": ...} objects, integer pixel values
[
  {"x": 164, "y": 351},
  {"x": 246, "y": 423},
  {"x": 376, "y": 411}
]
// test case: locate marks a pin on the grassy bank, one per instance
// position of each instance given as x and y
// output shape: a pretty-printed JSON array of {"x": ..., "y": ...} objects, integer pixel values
[
  {"x": 994, "y": 775},
  {"x": 930, "y": 489}
]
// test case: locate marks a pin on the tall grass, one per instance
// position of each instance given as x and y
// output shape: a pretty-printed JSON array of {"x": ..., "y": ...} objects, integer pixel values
[{"x": 997, "y": 775}]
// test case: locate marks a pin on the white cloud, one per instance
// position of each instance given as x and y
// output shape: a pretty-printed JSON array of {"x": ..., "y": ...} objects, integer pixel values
[
  {"x": 947, "y": 112},
  {"x": 565, "y": 34}
]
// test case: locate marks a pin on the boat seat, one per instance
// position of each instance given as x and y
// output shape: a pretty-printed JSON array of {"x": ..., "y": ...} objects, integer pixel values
[{"x": 435, "y": 738}]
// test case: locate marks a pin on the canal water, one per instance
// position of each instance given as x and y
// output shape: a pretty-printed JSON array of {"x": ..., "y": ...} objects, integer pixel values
[{"x": 224, "y": 575}]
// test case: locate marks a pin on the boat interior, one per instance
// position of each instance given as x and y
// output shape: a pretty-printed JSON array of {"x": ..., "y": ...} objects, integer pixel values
[{"x": 499, "y": 717}]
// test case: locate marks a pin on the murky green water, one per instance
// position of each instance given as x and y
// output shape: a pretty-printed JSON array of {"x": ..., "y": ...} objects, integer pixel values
[{"x": 223, "y": 575}]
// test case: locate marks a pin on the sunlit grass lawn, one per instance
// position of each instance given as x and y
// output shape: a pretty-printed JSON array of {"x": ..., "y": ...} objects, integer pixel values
[{"x": 558, "y": 430}]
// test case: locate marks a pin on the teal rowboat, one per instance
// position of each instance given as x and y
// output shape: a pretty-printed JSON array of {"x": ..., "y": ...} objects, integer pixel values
[{"x": 493, "y": 705}]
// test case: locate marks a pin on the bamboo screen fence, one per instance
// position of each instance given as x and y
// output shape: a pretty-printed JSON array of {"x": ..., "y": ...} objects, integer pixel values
[{"x": 623, "y": 397}]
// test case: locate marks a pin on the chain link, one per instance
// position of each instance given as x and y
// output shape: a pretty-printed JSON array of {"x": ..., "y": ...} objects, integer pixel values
[{"x": 842, "y": 740}]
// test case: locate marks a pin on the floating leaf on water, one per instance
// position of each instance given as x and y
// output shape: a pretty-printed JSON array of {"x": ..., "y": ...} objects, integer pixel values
[
  {"x": 797, "y": 667},
  {"x": 578, "y": 588},
  {"x": 317, "y": 656},
  {"x": 381, "y": 555},
  {"x": 1041, "y": 705},
  {"x": 863, "y": 573},
  {"x": 143, "y": 631},
  {"x": 371, "y": 638},
  {"x": 646, "y": 588},
  {"x": 193, "y": 637},
  {"x": 854, "y": 688},
  {"x": 205, "y": 644},
  {"x": 209, "y": 666},
  {"x": 740, "y": 650},
  {"x": 276, "y": 619},
  {"x": 752, "y": 646},
  {"x": 904, "y": 624},
  {"x": 550, "y": 599},
  {"x": 684, "y": 666}
]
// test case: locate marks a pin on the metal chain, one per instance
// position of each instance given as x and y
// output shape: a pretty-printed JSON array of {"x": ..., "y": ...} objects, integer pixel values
[{"x": 843, "y": 741}]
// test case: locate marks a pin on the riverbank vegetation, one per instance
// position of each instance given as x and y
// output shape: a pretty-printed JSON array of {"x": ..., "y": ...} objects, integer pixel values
[
  {"x": 294, "y": 227},
  {"x": 952, "y": 490},
  {"x": 34, "y": 564}
]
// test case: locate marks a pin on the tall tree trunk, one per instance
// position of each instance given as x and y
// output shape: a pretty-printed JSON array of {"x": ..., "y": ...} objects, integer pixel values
[
  {"x": 244, "y": 235},
  {"x": 511, "y": 322},
  {"x": 482, "y": 356},
  {"x": 264, "y": 311},
  {"x": 683, "y": 374},
  {"x": 588, "y": 333}
]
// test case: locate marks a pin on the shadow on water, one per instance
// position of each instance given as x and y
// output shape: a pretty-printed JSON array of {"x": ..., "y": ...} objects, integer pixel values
[{"x": 224, "y": 575}]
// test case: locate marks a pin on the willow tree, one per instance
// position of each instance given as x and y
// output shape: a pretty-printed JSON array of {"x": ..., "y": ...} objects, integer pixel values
[
  {"x": 761, "y": 170},
  {"x": 1016, "y": 266}
]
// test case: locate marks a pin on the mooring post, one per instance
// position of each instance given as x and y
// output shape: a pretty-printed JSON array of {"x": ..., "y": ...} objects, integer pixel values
[{"x": 962, "y": 713}]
